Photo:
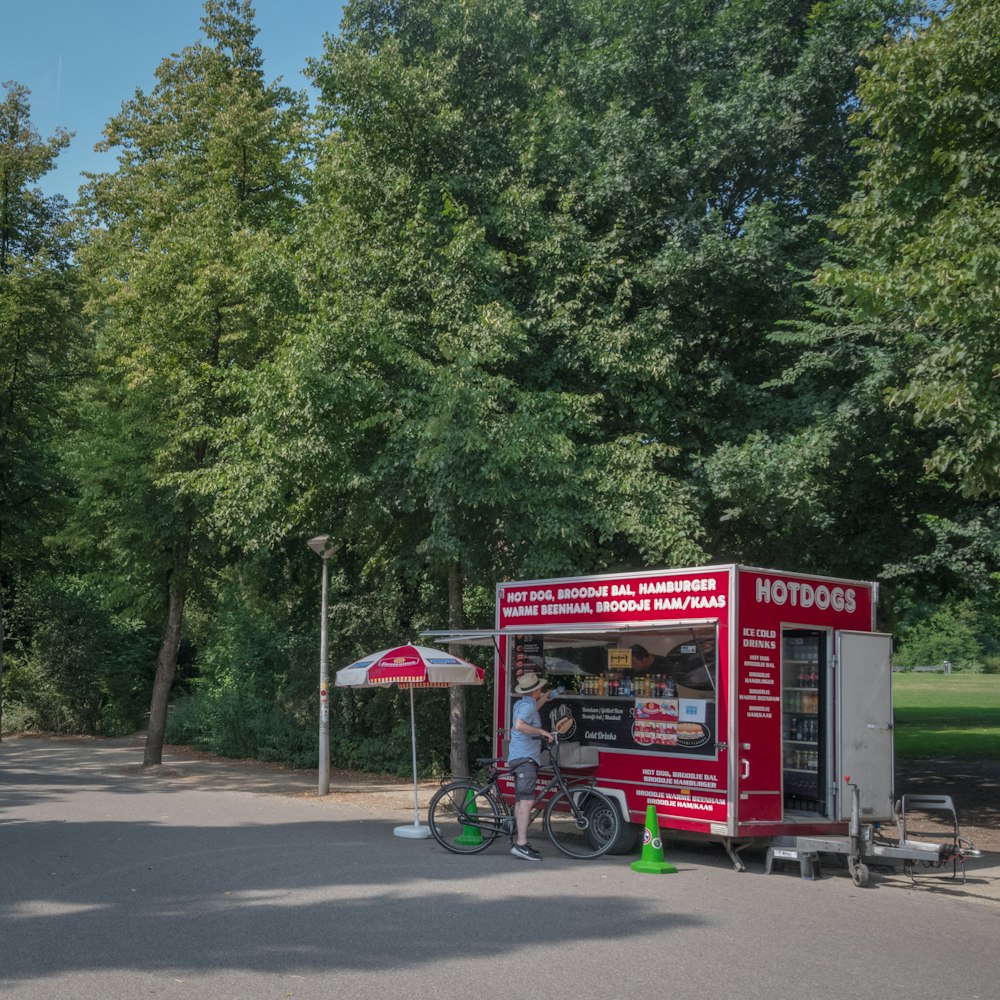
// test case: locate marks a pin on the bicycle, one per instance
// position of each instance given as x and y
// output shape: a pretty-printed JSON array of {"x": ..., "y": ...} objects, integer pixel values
[{"x": 466, "y": 816}]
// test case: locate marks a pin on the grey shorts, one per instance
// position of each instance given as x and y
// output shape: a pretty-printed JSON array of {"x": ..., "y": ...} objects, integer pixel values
[{"x": 525, "y": 777}]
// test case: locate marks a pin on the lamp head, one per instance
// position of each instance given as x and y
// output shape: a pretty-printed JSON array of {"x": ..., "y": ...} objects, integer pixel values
[{"x": 323, "y": 545}]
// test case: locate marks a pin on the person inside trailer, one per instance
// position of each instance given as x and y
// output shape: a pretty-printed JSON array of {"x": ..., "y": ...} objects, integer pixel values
[
  {"x": 645, "y": 662},
  {"x": 691, "y": 663}
]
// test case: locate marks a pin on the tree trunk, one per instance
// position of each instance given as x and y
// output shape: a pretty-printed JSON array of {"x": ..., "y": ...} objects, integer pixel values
[
  {"x": 456, "y": 620},
  {"x": 166, "y": 660}
]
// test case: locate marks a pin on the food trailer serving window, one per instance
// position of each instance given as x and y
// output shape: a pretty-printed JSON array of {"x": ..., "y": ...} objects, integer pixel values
[{"x": 649, "y": 690}]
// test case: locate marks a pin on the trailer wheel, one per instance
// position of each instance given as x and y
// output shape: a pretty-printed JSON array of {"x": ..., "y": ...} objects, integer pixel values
[
  {"x": 628, "y": 835},
  {"x": 859, "y": 872}
]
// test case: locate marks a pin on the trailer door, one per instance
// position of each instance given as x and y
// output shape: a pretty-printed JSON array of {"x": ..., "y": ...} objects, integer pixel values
[{"x": 864, "y": 749}]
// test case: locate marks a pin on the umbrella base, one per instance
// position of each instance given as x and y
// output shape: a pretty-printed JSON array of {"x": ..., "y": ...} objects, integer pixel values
[{"x": 412, "y": 831}]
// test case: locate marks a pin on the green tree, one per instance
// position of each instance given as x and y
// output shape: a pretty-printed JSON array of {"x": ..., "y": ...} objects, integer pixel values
[
  {"x": 959, "y": 632},
  {"x": 187, "y": 264},
  {"x": 921, "y": 264},
  {"x": 39, "y": 342},
  {"x": 548, "y": 244},
  {"x": 838, "y": 461},
  {"x": 563, "y": 269},
  {"x": 76, "y": 668},
  {"x": 834, "y": 482},
  {"x": 551, "y": 239},
  {"x": 29, "y": 220},
  {"x": 476, "y": 460}
]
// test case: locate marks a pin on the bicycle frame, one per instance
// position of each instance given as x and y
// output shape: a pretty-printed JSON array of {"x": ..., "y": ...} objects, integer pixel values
[{"x": 556, "y": 783}]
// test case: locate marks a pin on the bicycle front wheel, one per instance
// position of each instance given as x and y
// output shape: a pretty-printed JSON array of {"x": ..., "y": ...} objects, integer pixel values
[
  {"x": 583, "y": 824},
  {"x": 464, "y": 818}
]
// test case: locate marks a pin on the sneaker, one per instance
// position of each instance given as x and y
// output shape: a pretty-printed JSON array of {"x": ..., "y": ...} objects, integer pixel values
[{"x": 526, "y": 852}]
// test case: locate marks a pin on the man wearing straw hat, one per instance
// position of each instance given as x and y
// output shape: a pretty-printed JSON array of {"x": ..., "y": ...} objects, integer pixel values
[{"x": 525, "y": 756}]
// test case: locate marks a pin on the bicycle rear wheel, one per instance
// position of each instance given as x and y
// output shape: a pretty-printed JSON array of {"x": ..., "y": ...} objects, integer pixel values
[
  {"x": 584, "y": 825},
  {"x": 464, "y": 818}
]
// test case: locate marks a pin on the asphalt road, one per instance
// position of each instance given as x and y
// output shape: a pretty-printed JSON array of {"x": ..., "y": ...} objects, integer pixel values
[{"x": 119, "y": 884}]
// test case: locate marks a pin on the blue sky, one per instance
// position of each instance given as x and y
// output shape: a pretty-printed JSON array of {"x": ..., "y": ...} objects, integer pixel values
[{"x": 82, "y": 58}]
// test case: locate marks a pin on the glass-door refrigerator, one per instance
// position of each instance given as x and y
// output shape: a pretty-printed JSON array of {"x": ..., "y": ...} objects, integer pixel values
[{"x": 803, "y": 720}]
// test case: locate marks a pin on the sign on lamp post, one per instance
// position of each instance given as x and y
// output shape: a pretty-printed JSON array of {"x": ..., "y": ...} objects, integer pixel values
[{"x": 324, "y": 548}]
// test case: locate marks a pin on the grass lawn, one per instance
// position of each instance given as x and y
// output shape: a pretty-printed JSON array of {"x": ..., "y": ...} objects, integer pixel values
[{"x": 947, "y": 716}]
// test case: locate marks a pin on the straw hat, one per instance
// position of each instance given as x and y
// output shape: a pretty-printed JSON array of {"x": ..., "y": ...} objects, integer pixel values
[{"x": 529, "y": 682}]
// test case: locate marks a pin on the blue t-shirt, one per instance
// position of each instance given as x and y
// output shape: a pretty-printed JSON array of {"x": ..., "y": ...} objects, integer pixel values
[{"x": 521, "y": 744}]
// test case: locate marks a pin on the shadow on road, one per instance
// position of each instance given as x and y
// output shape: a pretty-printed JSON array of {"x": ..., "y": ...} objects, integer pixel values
[{"x": 108, "y": 870}]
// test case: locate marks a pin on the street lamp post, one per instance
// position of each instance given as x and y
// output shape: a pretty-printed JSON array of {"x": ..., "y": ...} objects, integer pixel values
[{"x": 324, "y": 548}]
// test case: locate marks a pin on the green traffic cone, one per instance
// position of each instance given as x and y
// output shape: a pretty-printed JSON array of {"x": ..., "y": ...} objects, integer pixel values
[
  {"x": 652, "y": 848},
  {"x": 470, "y": 835}
]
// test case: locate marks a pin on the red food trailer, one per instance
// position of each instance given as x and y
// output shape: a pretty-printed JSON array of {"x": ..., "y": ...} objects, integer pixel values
[{"x": 735, "y": 700}]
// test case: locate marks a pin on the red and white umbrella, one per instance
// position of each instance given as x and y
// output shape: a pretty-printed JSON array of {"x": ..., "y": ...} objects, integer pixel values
[{"x": 410, "y": 667}]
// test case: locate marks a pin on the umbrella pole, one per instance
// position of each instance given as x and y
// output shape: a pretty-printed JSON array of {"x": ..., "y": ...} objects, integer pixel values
[{"x": 414, "y": 831}]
